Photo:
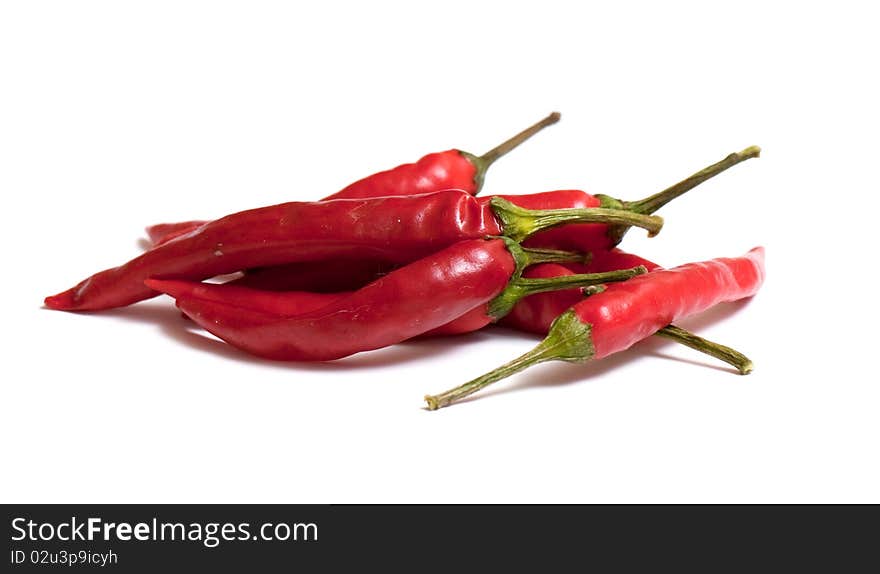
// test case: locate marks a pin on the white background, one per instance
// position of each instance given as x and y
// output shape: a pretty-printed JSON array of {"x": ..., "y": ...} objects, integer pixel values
[{"x": 116, "y": 115}]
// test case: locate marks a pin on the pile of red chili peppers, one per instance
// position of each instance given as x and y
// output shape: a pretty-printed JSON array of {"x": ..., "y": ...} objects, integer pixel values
[{"x": 412, "y": 252}]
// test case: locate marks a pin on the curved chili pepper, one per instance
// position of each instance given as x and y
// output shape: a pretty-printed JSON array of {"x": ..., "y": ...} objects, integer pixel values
[
  {"x": 452, "y": 169},
  {"x": 419, "y": 297},
  {"x": 536, "y": 313},
  {"x": 398, "y": 229},
  {"x": 625, "y": 313}
]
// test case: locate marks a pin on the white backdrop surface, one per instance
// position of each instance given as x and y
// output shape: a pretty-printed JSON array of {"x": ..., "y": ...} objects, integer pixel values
[{"x": 117, "y": 115}]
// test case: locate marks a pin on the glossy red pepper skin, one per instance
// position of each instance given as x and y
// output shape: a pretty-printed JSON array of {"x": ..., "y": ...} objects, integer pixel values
[
  {"x": 629, "y": 311},
  {"x": 559, "y": 199},
  {"x": 422, "y": 296},
  {"x": 437, "y": 171},
  {"x": 395, "y": 229}
]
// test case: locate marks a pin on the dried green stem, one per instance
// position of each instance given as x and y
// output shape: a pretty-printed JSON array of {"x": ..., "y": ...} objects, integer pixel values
[
  {"x": 568, "y": 340},
  {"x": 521, "y": 287},
  {"x": 730, "y": 356},
  {"x": 493, "y": 154},
  {"x": 535, "y": 255},
  {"x": 483, "y": 162},
  {"x": 571, "y": 340},
  {"x": 654, "y": 202}
]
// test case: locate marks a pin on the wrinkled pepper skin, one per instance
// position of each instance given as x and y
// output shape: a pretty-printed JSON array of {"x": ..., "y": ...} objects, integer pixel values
[
  {"x": 405, "y": 303},
  {"x": 329, "y": 276},
  {"x": 560, "y": 199},
  {"x": 629, "y": 311},
  {"x": 394, "y": 229}
]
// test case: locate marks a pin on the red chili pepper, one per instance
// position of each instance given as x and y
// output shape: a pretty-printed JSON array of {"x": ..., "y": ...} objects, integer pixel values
[
  {"x": 452, "y": 169},
  {"x": 424, "y": 295},
  {"x": 536, "y": 313},
  {"x": 627, "y": 312},
  {"x": 395, "y": 229}
]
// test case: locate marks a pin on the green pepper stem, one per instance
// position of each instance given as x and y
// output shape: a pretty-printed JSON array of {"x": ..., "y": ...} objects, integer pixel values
[
  {"x": 730, "y": 356},
  {"x": 501, "y": 149},
  {"x": 568, "y": 340},
  {"x": 571, "y": 340},
  {"x": 483, "y": 162},
  {"x": 535, "y": 255},
  {"x": 521, "y": 287},
  {"x": 654, "y": 202},
  {"x": 519, "y": 223}
]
